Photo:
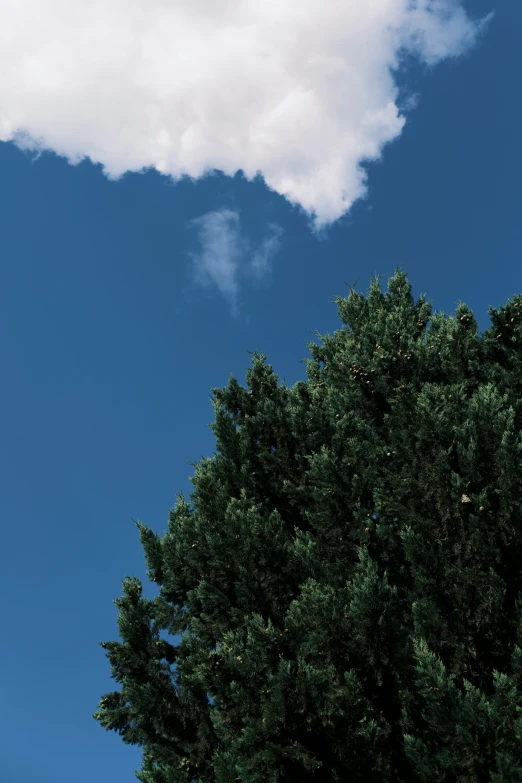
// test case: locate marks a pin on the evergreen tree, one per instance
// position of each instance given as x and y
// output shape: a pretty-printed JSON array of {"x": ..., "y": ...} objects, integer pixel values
[{"x": 346, "y": 581}]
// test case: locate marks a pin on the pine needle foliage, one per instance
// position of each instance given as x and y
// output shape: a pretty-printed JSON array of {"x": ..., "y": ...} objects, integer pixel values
[{"x": 346, "y": 581}]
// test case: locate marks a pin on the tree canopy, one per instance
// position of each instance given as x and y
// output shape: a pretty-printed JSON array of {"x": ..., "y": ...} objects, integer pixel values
[{"x": 346, "y": 579}]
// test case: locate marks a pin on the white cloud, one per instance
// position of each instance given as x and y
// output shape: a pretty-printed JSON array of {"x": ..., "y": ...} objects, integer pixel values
[
  {"x": 301, "y": 91},
  {"x": 225, "y": 253}
]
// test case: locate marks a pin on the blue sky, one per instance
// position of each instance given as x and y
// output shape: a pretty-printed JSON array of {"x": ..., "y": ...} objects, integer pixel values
[{"x": 124, "y": 301}]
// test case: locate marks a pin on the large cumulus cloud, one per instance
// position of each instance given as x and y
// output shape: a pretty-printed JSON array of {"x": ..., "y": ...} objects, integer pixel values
[{"x": 301, "y": 91}]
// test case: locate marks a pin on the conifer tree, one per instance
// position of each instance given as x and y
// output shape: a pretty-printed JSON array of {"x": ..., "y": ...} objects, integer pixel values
[{"x": 346, "y": 581}]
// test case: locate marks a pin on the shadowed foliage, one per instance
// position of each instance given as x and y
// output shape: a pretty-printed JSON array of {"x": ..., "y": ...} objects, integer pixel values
[{"x": 346, "y": 580}]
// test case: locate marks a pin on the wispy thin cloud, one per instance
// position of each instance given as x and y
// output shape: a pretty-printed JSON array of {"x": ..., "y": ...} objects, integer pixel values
[
  {"x": 225, "y": 253},
  {"x": 269, "y": 247},
  {"x": 301, "y": 91}
]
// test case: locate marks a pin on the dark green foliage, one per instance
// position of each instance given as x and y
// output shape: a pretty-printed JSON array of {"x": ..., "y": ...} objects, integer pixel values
[{"x": 347, "y": 579}]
